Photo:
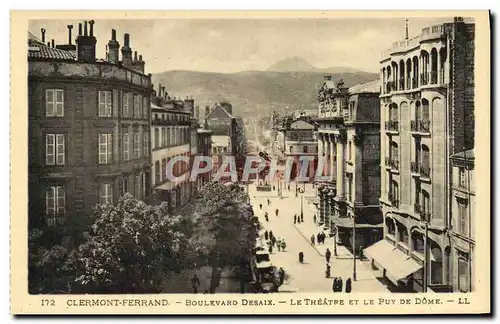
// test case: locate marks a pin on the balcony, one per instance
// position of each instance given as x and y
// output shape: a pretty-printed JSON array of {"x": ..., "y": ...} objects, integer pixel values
[
  {"x": 421, "y": 126},
  {"x": 417, "y": 208},
  {"x": 424, "y": 79},
  {"x": 394, "y": 164},
  {"x": 390, "y": 86},
  {"x": 433, "y": 76},
  {"x": 394, "y": 201},
  {"x": 415, "y": 168},
  {"x": 425, "y": 172},
  {"x": 392, "y": 126}
]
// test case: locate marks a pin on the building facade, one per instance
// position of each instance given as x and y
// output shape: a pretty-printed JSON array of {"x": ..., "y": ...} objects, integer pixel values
[
  {"x": 89, "y": 126},
  {"x": 172, "y": 128},
  {"x": 427, "y": 114},
  {"x": 462, "y": 221},
  {"x": 349, "y": 142},
  {"x": 300, "y": 140},
  {"x": 204, "y": 138}
]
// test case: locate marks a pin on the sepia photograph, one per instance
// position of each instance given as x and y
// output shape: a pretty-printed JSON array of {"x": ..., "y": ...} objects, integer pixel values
[{"x": 200, "y": 161}]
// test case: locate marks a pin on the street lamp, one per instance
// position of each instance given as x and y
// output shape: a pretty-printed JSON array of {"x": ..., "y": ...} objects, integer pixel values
[
  {"x": 301, "y": 207},
  {"x": 354, "y": 247}
]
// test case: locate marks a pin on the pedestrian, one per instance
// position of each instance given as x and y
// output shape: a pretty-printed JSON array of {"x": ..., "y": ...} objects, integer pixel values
[
  {"x": 348, "y": 285},
  {"x": 314, "y": 218},
  {"x": 318, "y": 238},
  {"x": 282, "y": 276},
  {"x": 278, "y": 245},
  {"x": 271, "y": 234},
  {"x": 277, "y": 212},
  {"x": 323, "y": 235},
  {"x": 288, "y": 187},
  {"x": 195, "y": 283},
  {"x": 268, "y": 202},
  {"x": 266, "y": 235},
  {"x": 267, "y": 218},
  {"x": 328, "y": 255},
  {"x": 340, "y": 285},
  {"x": 312, "y": 239},
  {"x": 274, "y": 187},
  {"x": 302, "y": 218},
  {"x": 270, "y": 249},
  {"x": 296, "y": 194},
  {"x": 295, "y": 219},
  {"x": 334, "y": 285},
  {"x": 283, "y": 246},
  {"x": 301, "y": 257},
  {"x": 260, "y": 205}
]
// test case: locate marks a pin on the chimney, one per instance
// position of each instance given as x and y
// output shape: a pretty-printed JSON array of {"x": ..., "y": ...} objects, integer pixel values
[
  {"x": 70, "y": 27},
  {"x": 126, "y": 51},
  {"x": 113, "y": 47},
  {"x": 135, "y": 56},
  {"x": 53, "y": 43},
  {"x": 43, "y": 35},
  {"x": 159, "y": 90},
  {"x": 48, "y": 44},
  {"x": 85, "y": 44}
]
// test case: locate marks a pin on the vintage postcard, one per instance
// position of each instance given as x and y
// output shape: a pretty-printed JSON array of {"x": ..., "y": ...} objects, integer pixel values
[{"x": 267, "y": 162}]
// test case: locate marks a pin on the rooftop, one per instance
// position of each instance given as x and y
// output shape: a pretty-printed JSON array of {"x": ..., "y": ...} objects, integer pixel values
[
  {"x": 36, "y": 49},
  {"x": 367, "y": 87}
]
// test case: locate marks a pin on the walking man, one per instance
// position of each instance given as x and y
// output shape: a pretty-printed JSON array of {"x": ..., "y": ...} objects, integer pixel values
[
  {"x": 260, "y": 205},
  {"x": 328, "y": 255},
  {"x": 295, "y": 219},
  {"x": 266, "y": 235},
  {"x": 312, "y": 239},
  {"x": 195, "y": 283},
  {"x": 348, "y": 285},
  {"x": 268, "y": 202},
  {"x": 277, "y": 212}
]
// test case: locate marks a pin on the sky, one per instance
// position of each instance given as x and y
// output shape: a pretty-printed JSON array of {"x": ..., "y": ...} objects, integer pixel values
[{"x": 234, "y": 45}]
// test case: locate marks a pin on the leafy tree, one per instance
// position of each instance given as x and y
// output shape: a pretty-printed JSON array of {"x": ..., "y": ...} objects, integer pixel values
[
  {"x": 223, "y": 230},
  {"x": 130, "y": 248}
]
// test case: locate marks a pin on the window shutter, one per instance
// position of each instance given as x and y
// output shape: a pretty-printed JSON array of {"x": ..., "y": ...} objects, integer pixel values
[
  {"x": 116, "y": 102},
  {"x": 49, "y": 102},
  {"x": 49, "y": 149},
  {"x": 110, "y": 147},
  {"x": 60, "y": 149}
]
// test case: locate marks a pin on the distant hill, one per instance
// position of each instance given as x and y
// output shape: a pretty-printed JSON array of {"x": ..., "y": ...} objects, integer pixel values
[
  {"x": 292, "y": 64},
  {"x": 253, "y": 93},
  {"x": 298, "y": 64}
]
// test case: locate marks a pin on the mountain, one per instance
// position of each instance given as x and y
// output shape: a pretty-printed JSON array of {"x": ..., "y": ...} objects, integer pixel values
[
  {"x": 292, "y": 64},
  {"x": 253, "y": 93},
  {"x": 298, "y": 64}
]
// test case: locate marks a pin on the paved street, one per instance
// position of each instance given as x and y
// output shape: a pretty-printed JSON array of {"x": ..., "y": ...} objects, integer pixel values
[{"x": 309, "y": 276}]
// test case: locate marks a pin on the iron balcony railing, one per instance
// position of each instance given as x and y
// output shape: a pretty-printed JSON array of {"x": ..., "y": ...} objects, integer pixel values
[
  {"x": 433, "y": 77},
  {"x": 424, "y": 78},
  {"x": 425, "y": 171},
  {"x": 422, "y": 126},
  {"x": 415, "y": 167},
  {"x": 392, "y": 125},
  {"x": 417, "y": 208}
]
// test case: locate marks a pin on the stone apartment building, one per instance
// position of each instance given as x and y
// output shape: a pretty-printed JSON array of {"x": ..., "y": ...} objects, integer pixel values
[
  {"x": 427, "y": 114},
  {"x": 462, "y": 221},
  {"x": 89, "y": 126},
  {"x": 348, "y": 140}
]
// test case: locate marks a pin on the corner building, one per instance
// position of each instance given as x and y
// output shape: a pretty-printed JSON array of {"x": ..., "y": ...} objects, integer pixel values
[
  {"x": 89, "y": 125},
  {"x": 348, "y": 138},
  {"x": 427, "y": 113}
]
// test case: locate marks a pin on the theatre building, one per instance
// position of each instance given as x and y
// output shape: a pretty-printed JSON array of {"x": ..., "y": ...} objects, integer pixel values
[
  {"x": 89, "y": 126},
  {"x": 427, "y": 115}
]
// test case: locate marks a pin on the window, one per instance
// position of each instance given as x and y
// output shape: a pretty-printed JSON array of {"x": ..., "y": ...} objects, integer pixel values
[
  {"x": 349, "y": 187},
  {"x": 291, "y": 149},
  {"x": 461, "y": 177},
  {"x": 163, "y": 137},
  {"x": 164, "y": 169},
  {"x": 426, "y": 205},
  {"x": 55, "y": 205},
  {"x": 54, "y": 103},
  {"x": 124, "y": 186},
  {"x": 137, "y": 186},
  {"x": 156, "y": 143},
  {"x": 462, "y": 218},
  {"x": 425, "y": 170},
  {"x": 54, "y": 149},
  {"x": 126, "y": 147},
  {"x": 145, "y": 142},
  {"x": 106, "y": 193},
  {"x": 463, "y": 275},
  {"x": 137, "y": 106},
  {"x": 125, "y": 105},
  {"x": 305, "y": 149},
  {"x": 145, "y": 107},
  {"x": 157, "y": 172},
  {"x": 350, "y": 151},
  {"x": 105, "y": 103},
  {"x": 105, "y": 148},
  {"x": 137, "y": 145}
]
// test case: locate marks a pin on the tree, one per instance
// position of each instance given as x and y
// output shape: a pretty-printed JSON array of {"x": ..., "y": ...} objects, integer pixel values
[
  {"x": 130, "y": 248},
  {"x": 223, "y": 230}
]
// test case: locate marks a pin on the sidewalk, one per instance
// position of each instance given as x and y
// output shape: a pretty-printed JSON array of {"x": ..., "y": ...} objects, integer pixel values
[{"x": 342, "y": 264}]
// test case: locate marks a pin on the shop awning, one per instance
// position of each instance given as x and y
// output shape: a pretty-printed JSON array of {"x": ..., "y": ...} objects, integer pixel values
[
  {"x": 347, "y": 222},
  {"x": 397, "y": 264}
]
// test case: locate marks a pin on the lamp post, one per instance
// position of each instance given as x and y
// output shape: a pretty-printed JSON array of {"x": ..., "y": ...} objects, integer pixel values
[
  {"x": 301, "y": 207},
  {"x": 354, "y": 247},
  {"x": 426, "y": 257}
]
